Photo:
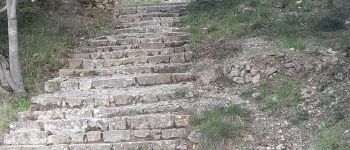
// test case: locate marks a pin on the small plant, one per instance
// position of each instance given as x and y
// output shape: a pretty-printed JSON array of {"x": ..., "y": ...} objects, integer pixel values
[
  {"x": 332, "y": 137},
  {"x": 300, "y": 116},
  {"x": 219, "y": 124},
  {"x": 281, "y": 92},
  {"x": 329, "y": 24},
  {"x": 8, "y": 111},
  {"x": 21, "y": 103},
  {"x": 180, "y": 93}
]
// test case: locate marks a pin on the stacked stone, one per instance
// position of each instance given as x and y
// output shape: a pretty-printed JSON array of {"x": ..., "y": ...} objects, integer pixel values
[
  {"x": 244, "y": 73},
  {"x": 119, "y": 93},
  {"x": 106, "y": 4}
]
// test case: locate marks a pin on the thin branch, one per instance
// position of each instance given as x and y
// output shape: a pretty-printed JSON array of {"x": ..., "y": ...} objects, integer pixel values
[{"x": 3, "y": 9}]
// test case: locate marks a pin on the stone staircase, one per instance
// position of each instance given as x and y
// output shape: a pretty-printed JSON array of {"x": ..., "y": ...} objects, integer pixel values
[{"x": 130, "y": 90}]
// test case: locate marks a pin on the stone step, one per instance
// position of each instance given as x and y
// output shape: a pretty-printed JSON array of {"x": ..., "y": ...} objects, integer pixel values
[
  {"x": 111, "y": 41},
  {"x": 86, "y": 124},
  {"x": 169, "y": 8},
  {"x": 117, "y": 81},
  {"x": 149, "y": 29},
  {"x": 174, "y": 106},
  {"x": 106, "y": 71},
  {"x": 142, "y": 19},
  {"x": 140, "y": 46},
  {"x": 175, "y": 144},
  {"x": 151, "y": 14},
  {"x": 87, "y": 136},
  {"x": 182, "y": 57},
  {"x": 108, "y": 97},
  {"x": 128, "y": 53},
  {"x": 148, "y": 35},
  {"x": 128, "y": 24}
]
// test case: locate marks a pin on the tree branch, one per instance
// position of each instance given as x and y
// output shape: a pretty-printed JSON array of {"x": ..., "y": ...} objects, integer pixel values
[{"x": 3, "y": 9}]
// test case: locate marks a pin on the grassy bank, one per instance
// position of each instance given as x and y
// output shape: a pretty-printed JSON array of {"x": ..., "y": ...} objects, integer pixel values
[
  {"x": 292, "y": 24},
  {"x": 47, "y": 34}
]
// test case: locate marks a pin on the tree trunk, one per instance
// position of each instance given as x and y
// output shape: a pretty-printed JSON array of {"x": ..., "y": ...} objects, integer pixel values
[{"x": 15, "y": 68}]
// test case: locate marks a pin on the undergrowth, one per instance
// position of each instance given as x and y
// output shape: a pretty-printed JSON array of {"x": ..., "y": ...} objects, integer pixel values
[
  {"x": 47, "y": 33},
  {"x": 220, "y": 124},
  {"x": 8, "y": 111},
  {"x": 294, "y": 25}
]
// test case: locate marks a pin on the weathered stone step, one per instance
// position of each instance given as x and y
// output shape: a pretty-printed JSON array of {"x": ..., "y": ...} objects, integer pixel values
[
  {"x": 108, "y": 97},
  {"x": 151, "y": 14},
  {"x": 85, "y": 124},
  {"x": 118, "y": 81},
  {"x": 111, "y": 41},
  {"x": 106, "y": 136},
  {"x": 170, "y": 8},
  {"x": 148, "y": 35},
  {"x": 175, "y": 106},
  {"x": 141, "y": 145},
  {"x": 167, "y": 23},
  {"x": 106, "y": 71},
  {"x": 149, "y": 29},
  {"x": 128, "y": 53},
  {"x": 141, "y": 19},
  {"x": 182, "y": 57}
]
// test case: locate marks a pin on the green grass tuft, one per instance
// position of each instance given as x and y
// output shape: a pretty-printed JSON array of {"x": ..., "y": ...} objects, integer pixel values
[
  {"x": 8, "y": 111},
  {"x": 281, "y": 92},
  {"x": 219, "y": 124}
]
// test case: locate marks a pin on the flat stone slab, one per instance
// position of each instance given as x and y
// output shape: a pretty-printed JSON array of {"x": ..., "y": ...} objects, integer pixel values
[
  {"x": 144, "y": 145},
  {"x": 107, "y": 97},
  {"x": 117, "y": 81}
]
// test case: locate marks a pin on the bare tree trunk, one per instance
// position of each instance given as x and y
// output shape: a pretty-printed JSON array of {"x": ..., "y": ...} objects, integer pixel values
[{"x": 15, "y": 68}]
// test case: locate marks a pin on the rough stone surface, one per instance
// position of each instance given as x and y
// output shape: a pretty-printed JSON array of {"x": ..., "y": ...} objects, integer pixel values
[{"x": 120, "y": 92}]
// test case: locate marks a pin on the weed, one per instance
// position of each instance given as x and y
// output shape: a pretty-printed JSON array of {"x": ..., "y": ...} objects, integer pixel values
[
  {"x": 300, "y": 116},
  {"x": 329, "y": 24},
  {"x": 8, "y": 111},
  {"x": 332, "y": 137},
  {"x": 21, "y": 103},
  {"x": 296, "y": 43},
  {"x": 219, "y": 124},
  {"x": 181, "y": 92},
  {"x": 281, "y": 92}
]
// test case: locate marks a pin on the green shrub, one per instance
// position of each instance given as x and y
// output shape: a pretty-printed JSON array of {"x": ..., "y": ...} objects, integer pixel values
[
  {"x": 219, "y": 124},
  {"x": 329, "y": 24}
]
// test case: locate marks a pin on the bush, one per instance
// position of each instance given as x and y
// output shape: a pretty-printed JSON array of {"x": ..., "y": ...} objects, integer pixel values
[
  {"x": 330, "y": 24},
  {"x": 219, "y": 124}
]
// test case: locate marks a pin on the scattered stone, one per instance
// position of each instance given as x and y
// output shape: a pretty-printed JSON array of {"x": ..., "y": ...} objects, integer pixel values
[
  {"x": 248, "y": 138},
  {"x": 339, "y": 77},
  {"x": 289, "y": 65},
  {"x": 256, "y": 95},
  {"x": 248, "y": 78},
  {"x": 235, "y": 72},
  {"x": 308, "y": 66},
  {"x": 270, "y": 70},
  {"x": 254, "y": 71},
  {"x": 280, "y": 147},
  {"x": 243, "y": 73},
  {"x": 256, "y": 78},
  {"x": 194, "y": 136},
  {"x": 238, "y": 80},
  {"x": 331, "y": 51}
]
